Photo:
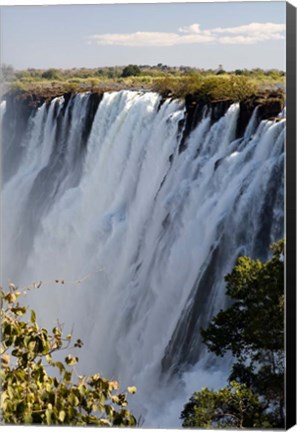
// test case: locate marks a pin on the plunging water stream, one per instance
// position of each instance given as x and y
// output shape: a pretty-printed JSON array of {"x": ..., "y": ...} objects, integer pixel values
[{"x": 107, "y": 193}]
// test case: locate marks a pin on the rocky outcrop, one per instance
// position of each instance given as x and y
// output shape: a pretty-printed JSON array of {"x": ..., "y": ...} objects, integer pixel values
[
  {"x": 19, "y": 108},
  {"x": 195, "y": 108},
  {"x": 270, "y": 105}
]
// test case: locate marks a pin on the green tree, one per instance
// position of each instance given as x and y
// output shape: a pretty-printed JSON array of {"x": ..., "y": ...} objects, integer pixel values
[
  {"x": 131, "y": 70},
  {"x": 51, "y": 74},
  {"x": 252, "y": 329},
  {"x": 31, "y": 395},
  {"x": 241, "y": 88},
  {"x": 235, "y": 406}
]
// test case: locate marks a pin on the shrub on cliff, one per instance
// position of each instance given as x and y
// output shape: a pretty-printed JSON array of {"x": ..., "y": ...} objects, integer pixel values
[
  {"x": 18, "y": 86},
  {"x": 209, "y": 88},
  {"x": 241, "y": 88},
  {"x": 31, "y": 395},
  {"x": 252, "y": 329},
  {"x": 51, "y": 74},
  {"x": 131, "y": 70}
]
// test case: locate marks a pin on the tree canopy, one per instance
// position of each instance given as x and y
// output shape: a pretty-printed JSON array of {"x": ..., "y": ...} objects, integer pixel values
[
  {"x": 252, "y": 329},
  {"x": 37, "y": 389},
  {"x": 51, "y": 74},
  {"x": 131, "y": 70},
  {"x": 235, "y": 406}
]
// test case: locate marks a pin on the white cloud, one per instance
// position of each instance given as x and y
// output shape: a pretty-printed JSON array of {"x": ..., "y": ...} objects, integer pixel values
[
  {"x": 136, "y": 39},
  {"x": 267, "y": 28},
  {"x": 149, "y": 39},
  {"x": 194, "y": 28},
  {"x": 250, "y": 33},
  {"x": 241, "y": 35},
  {"x": 248, "y": 40}
]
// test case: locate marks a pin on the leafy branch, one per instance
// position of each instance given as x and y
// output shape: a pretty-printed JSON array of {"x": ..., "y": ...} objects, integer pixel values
[{"x": 31, "y": 395}]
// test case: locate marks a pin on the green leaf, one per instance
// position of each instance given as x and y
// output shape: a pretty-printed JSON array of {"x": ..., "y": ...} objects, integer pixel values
[
  {"x": 28, "y": 418},
  {"x": 67, "y": 376},
  {"x": 33, "y": 316},
  {"x": 60, "y": 366},
  {"x": 11, "y": 298},
  {"x": 78, "y": 344},
  {"x": 49, "y": 359},
  {"x": 70, "y": 360},
  {"x": 104, "y": 422},
  {"x": 132, "y": 390},
  {"x": 81, "y": 389},
  {"x": 12, "y": 286},
  {"x": 109, "y": 410},
  {"x": 19, "y": 310},
  {"x": 3, "y": 397},
  {"x": 115, "y": 399},
  {"x": 48, "y": 416},
  {"x": 62, "y": 416},
  {"x": 73, "y": 400}
]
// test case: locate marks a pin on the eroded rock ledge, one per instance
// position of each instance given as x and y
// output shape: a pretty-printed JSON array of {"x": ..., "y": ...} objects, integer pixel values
[{"x": 270, "y": 104}]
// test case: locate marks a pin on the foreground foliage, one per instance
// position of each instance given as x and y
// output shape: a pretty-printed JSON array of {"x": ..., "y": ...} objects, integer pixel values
[
  {"x": 235, "y": 406},
  {"x": 252, "y": 329},
  {"x": 38, "y": 389}
]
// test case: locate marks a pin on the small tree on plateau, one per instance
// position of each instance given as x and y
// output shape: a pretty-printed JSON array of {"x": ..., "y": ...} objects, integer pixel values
[
  {"x": 31, "y": 395},
  {"x": 51, "y": 74},
  {"x": 252, "y": 329},
  {"x": 131, "y": 70}
]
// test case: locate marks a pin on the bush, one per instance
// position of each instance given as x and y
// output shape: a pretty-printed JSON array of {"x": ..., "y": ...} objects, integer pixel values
[
  {"x": 51, "y": 74},
  {"x": 252, "y": 330},
  {"x": 209, "y": 88},
  {"x": 131, "y": 70},
  {"x": 241, "y": 88},
  {"x": 234, "y": 406},
  {"x": 31, "y": 395},
  {"x": 18, "y": 86}
]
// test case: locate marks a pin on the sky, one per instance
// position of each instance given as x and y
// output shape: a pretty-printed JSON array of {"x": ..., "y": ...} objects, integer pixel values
[{"x": 204, "y": 35}]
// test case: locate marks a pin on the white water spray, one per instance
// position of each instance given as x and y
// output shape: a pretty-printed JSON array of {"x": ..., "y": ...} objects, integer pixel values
[{"x": 155, "y": 229}]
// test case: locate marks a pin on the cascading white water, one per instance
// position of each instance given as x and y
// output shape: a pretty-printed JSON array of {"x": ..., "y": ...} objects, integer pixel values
[{"x": 154, "y": 228}]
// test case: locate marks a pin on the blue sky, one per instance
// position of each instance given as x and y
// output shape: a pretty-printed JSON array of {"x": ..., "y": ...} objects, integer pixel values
[{"x": 236, "y": 35}]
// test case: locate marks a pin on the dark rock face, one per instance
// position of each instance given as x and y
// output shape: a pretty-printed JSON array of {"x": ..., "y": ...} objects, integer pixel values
[
  {"x": 270, "y": 105},
  {"x": 194, "y": 113},
  {"x": 185, "y": 347},
  {"x": 93, "y": 103},
  {"x": 18, "y": 111},
  {"x": 186, "y": 339},
  {"x": 219, "y": 109},
  {"x": 20, "y": 106},
  {"x": 270, "y": 109}
]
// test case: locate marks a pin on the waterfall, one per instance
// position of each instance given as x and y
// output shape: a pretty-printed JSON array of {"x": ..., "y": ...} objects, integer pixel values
[{"x": 149, "y": 214}]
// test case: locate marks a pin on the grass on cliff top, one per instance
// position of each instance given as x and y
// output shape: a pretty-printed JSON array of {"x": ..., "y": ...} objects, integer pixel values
[{"x": 175, "y": 82}]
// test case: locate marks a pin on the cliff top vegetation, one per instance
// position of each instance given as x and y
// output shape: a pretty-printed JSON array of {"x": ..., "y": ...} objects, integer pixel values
[{"x": 180, "y": 81}]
